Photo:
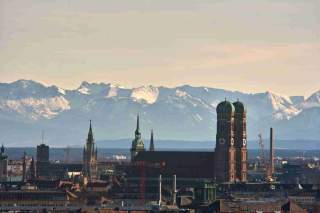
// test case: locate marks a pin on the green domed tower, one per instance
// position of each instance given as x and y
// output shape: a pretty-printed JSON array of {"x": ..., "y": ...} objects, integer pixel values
[
  {"x": 225, "y": 150},
  {"x": 137, "y": 143}
]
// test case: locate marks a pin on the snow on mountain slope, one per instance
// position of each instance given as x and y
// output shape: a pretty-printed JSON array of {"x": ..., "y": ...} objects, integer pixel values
[
  {"x": 297, "y": 100},
  {"x": 36, "y": 108},
  {"x": 113, "y": 91},
  {"x": 96, "y": 89},
  {"x": 61, "y": 91},
  {"x": 32, "y": 100},
  {"x": 148, "y": 94},
  {"x": 282, "y": 106},
  {"x": 181, "y": 94},
  {"x": 312, "y": 101},
  {"x": 305, "y": 125},
  {"x": 182, "y": 113},
  {"x": 26, "y": 89},
  {"x": 84, "y": 90}
]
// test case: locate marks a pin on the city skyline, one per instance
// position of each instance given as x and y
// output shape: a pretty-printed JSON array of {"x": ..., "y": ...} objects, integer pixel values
[
  {"x": 235, "y": 45},
  {"x": 160, "y": 106}
]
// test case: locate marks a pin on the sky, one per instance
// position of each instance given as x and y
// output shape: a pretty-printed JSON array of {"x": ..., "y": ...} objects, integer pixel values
[{"x": 245, "y": 45}]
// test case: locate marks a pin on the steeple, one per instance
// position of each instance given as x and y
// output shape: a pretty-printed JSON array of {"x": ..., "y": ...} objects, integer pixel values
[
  {"x": 89, "y": 157},
  {"x": 137, "y": 143},
  {"x": 2, "y": 149},
  {"x": 90, "y": 134},
  {"x": 137, "y": 132},
  {"x": 151, "y": 148},
  {"x": 2, "y": 154}
]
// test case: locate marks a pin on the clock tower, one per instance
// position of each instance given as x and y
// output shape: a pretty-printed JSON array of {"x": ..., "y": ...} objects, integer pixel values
[
  {"x": 240, "y": 141},
  {"x": 225, "y": 143}
]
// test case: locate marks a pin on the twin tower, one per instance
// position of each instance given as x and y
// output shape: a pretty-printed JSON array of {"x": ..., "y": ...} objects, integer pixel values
[{"x": 231, "y": 143}]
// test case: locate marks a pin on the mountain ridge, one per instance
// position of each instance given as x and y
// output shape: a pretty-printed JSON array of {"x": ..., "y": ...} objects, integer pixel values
[{"x": 184, "y": 112}]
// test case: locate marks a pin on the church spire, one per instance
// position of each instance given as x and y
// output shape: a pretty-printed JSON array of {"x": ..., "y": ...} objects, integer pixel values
[
  {"x": 89, "y": 159},
  {"x": 137, "y": 132},
  {"x": 137, "y": 143},
  {"x": 90, "y": 134},
  {"x": 2, "y": 149},
  {"x": 2, "y": 154},
  {"x": 151, "y": 148}
]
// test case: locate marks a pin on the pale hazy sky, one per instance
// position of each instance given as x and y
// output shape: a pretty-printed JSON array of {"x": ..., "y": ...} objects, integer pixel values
[{"x": 242, "y": 45}]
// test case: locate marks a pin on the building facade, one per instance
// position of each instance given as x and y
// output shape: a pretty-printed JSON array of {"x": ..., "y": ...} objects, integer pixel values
[
  {"x": 43, "y": 163},
  {"x": 90, "y": 153},
  {"x": 227, "y": 164},
  {"x": 42, "y": 153}
]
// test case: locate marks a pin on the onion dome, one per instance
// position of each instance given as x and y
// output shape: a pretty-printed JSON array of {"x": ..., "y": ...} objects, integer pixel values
[
  {"x": 225, "y": 107},
  {"x": 239, "y": 107}
]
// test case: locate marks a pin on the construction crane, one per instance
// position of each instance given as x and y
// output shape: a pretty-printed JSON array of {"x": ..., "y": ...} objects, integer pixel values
[{"x": 262, "y": 161}]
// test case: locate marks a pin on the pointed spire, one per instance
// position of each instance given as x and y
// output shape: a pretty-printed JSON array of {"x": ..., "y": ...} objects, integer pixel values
[
  {"x": 151, "y": 148},
  {"x": 90, "y": 134},
  {"x": 137, "y": 132},
  {"x": 2, "y": 149},
  {"x": 138, "y": 123},
  {"x": 90, "y": 129}
]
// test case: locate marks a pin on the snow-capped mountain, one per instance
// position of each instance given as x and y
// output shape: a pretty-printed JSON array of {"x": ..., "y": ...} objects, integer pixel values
[{"x": 181, "y": 113}]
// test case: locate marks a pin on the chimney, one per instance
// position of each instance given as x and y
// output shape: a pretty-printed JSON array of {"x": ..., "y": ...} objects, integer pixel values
[
  {"x": 174, "y": 189},
  {"x": 160, "y": 192},
  {"x": 271, "y": 153}
]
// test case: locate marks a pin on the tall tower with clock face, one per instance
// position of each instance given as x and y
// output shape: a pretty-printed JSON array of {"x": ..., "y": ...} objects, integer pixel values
[
  {"x": 240, "y": 131},
  {"x": 225, "y": 143}
]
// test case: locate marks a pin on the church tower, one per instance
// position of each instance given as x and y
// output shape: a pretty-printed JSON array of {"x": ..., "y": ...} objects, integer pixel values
[
  {"x": 240, "y": 141},
  {"x": 137, "y": 143},
  {"x": 3, "y": 165},
  {"x": 225, "y": 149},
  {"x": 90, "y": 157}
]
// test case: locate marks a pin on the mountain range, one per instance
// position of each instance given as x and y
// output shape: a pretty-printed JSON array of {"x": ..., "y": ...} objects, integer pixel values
[{"x": 182, "y": 113}]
